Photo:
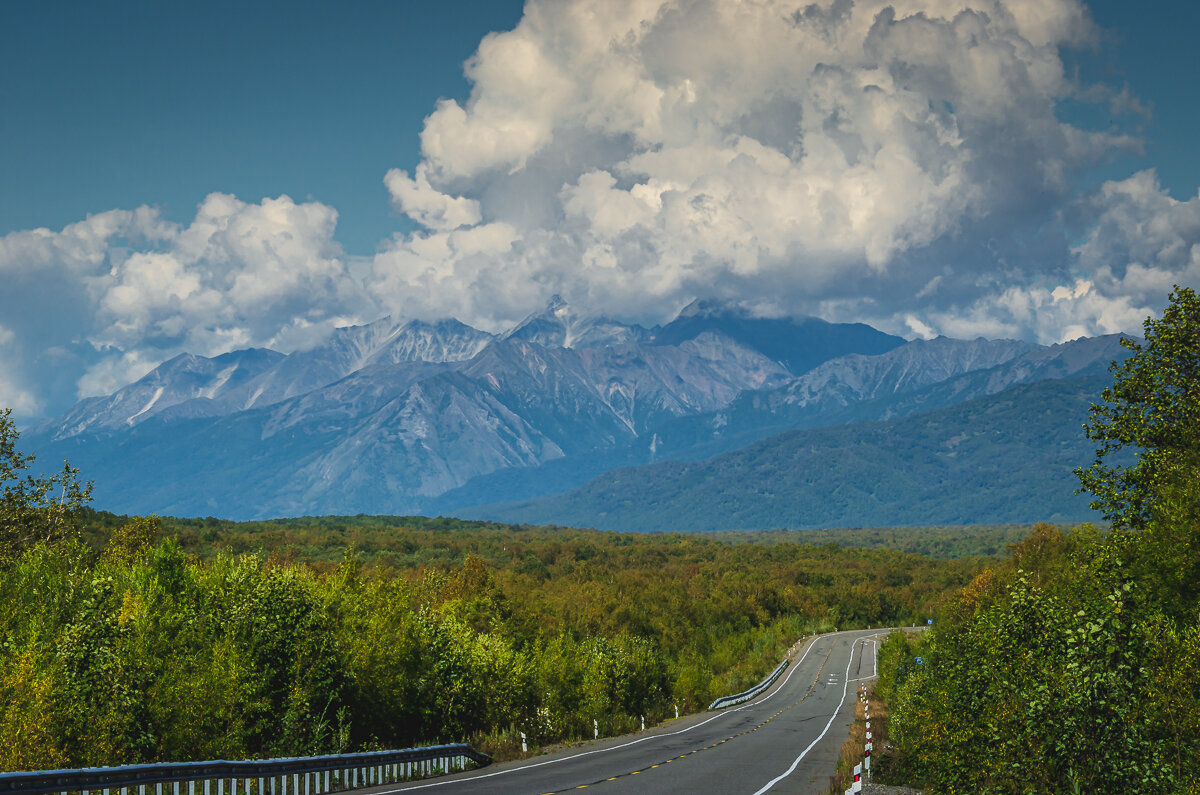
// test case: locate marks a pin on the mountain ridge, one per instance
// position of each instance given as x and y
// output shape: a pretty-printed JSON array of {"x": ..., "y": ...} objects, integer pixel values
[
  {"x": 405, "y": 417},
  {"x": 927, "y": 467}
]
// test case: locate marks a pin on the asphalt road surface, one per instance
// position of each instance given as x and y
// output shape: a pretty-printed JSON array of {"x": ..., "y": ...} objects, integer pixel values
[{"x": 785, "y": 741}]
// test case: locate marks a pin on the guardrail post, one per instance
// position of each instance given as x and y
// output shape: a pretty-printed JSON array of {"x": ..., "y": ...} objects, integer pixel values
[{"x": 322, "y": 774}]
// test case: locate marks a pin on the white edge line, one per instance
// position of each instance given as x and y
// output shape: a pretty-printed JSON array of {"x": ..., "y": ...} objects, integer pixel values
[
  {"x": 753, "y": 703},
  {"x": 832, "y": 718}
]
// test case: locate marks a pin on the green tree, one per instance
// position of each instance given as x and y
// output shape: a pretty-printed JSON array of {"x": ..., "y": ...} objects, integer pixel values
[
  {"x": 1153, "y": 410},
  {"x": 133, "y": 539},
  {"x": 34, "y": 509}
]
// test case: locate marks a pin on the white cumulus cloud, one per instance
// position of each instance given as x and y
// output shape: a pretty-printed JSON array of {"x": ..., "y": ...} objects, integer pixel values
[
  {"x": 1140, "y": 243},
  {"x": 14, "y": 394},
  {"x": 121, "y": 291},
  {"x": 799, "y": 155}
]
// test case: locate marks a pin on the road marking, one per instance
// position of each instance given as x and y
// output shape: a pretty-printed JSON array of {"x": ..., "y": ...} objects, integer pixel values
[
  {"x": 753, "y": 703},
  {"x": 717, "y": 744},
  {"x": 832, "y": 718},
  {"x": 874, "y": 659}
]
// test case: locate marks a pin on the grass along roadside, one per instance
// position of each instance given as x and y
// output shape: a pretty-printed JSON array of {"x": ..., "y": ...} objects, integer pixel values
[{"x": 852, "y": 749}]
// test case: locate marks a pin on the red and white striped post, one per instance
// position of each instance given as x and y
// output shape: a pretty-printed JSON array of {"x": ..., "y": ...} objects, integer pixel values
[{"x": 867, "y": 748}]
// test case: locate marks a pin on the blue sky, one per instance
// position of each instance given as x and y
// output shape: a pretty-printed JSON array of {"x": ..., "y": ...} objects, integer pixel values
[
  {"x": 119, "y": 104},
  {"x": 200, "y": 177}
]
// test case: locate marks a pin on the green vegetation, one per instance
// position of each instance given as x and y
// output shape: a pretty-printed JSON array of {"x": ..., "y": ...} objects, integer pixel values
[
  {"x": 142, "y": 639},
  {"x": 1153, "y": 406},
  {"x": 937, "y": 541},
  {"x": 34, "y": 509},
  {"x": 1075, "y": 665},
  {"x": 413, "y": 541}
]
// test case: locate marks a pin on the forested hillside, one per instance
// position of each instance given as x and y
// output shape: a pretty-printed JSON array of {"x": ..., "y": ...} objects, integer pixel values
[{"x": 1003, "y": 458}]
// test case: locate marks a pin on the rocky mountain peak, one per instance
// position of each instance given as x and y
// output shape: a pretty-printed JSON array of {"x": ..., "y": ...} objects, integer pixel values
[{"x": 559, "y": 325}]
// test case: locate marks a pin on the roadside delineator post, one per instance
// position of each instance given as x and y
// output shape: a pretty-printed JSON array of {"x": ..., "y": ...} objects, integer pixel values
[
  {"x": 869, "y": 744},
  {"x": 595, "y": 729},
  {"x": 857, "y": 779},
  {"x": 524, "y": 747}
]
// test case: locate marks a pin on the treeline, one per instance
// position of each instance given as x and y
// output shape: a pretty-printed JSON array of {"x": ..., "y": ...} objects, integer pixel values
[
  {"x": 1075, "y": 665},
  {"x": 937, "y": 541}
]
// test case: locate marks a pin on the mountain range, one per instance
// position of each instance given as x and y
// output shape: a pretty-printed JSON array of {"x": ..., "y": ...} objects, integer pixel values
[{"x": 418, "y": 417}]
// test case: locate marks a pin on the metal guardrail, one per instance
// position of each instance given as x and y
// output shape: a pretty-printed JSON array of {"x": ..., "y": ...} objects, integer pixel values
[
  {"x": 309, "y": 775},
  {"x": 729, "y": 701}
]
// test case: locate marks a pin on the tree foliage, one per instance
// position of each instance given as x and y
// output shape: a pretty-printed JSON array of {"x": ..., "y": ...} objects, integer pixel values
[
  {"x": 1151, "y": 409},
  {"x": 1073, "y": 667},
  {"x": 34, "y": 509}
]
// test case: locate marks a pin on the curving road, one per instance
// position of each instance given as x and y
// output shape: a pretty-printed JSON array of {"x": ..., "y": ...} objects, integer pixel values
[{"x": 785, "y": 741}]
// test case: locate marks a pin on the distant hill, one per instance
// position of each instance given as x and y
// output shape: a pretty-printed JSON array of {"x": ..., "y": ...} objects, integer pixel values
[
  {"x": 1007, "y": 457},
  {"x": 916, "y": 377}
]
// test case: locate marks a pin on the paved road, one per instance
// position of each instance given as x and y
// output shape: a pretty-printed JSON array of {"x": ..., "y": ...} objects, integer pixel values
[{"x": 785, "y": 741}]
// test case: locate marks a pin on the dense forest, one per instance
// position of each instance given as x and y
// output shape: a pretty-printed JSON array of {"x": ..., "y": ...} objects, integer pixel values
[
  {"x": 127, "y": 639},
  {"x": 1074, "y": 666}
]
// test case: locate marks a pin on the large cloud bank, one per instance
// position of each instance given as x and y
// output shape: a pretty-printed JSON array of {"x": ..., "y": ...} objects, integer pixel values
[
  {"x": 849, "y": 159},
  {"x": 906, "y": 164}
]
